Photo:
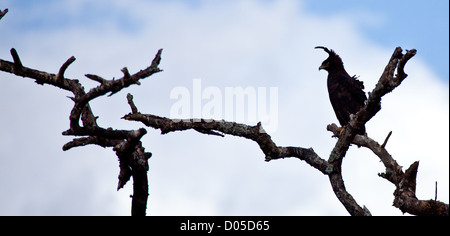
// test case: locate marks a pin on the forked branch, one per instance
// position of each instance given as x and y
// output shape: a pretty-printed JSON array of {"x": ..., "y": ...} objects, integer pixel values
[
  {"x": 404, "y": 199},
  {"x": 126, "y": 143},
  {"x": 133, "y": 160}
]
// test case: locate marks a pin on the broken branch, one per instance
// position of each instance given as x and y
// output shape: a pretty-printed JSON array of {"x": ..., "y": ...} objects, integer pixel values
[
  {"x": 386, "y": 140},
  {"x": 126, "y": 143},
  {"x": 62, "y": 70},
  {"x": 3, "y": 13}
]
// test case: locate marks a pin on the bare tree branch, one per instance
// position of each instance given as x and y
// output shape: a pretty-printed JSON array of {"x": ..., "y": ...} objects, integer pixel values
[
  {"x": 332, "y": 167},
  {"x": 386, "y": 84},
  {"x": 255, "y": 133},
  {"x": 3, "y": 13},
  {"x": 265, "y": 142},
  {"x": 405, "y": 182},
  {"x": 133, "y": 160},
  {"x": 100, "y": 141},
  {"x": 386, "y": 139},
  {"x": 112, "y": 86},
  {"x": 126, "y": 143}
]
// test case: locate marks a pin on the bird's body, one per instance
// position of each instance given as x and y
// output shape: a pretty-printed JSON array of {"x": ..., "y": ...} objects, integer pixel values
[{"x": 346, "y": 92}]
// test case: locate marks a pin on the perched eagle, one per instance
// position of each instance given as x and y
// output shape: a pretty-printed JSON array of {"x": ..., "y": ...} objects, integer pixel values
[{"x": 346, "y": 92}]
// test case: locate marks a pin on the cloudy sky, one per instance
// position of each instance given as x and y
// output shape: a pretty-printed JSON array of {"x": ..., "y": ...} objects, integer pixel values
[{"x": 248, "y": 44}]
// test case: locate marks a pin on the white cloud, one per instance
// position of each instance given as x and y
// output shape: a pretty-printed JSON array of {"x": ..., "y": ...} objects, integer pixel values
[{"x": 225, "y": 44}]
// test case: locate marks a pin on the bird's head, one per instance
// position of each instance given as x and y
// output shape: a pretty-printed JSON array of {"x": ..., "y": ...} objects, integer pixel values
[{"x": 333, "y": 62}]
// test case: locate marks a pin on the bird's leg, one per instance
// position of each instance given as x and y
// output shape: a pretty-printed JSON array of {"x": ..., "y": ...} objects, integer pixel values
[{"x": 339, "y": 132}]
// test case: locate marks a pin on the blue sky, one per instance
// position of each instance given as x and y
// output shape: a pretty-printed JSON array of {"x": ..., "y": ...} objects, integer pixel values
[
  {"x": 411, "y": 24},
  {"x": 224, "y": 44},
  {"x": 423, "y": 25}
]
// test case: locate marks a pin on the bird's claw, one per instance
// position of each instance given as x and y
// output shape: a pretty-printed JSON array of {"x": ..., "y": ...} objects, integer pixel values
[{"x": 339, "y": 132}]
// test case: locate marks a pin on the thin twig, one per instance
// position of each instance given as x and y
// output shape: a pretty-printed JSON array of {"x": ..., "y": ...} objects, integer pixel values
[
  {"x": 386, "y": 140},
  {"x": 16, "y": 59},
  {"x": 134, "y": 109},
  {"x": 64, "y": 67},
  {"x": 96, "y": 78},
  {"x": 435, "y": 192},
  {"x": 3, "y": 13}
]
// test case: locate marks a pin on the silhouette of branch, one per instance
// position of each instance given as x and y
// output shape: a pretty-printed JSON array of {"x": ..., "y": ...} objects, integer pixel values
[
  {"x": 405, "y": 198},
  {"x": 255, "y": 133},
  {"x": 405, "y": 182},
  {"x": 126, "y": 143},
  {"x": 3, "y": 13},
  {"x": 386, "y": 84},
  {"x": 265, "y": 142},
  {"x": 133, "y": 160}
]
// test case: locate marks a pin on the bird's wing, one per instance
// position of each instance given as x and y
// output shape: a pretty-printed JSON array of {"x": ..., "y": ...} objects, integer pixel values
[
  {"x": 355, "y": 88},
  {"x": 346, "y": 95}
]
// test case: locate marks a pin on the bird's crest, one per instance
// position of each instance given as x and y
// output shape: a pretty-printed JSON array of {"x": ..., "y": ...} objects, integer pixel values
[
  {"x": 325, "y": 49},
  {"x": 332, "y": 55}
]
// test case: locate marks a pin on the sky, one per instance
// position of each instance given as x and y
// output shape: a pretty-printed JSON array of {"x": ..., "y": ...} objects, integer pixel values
[{"x": 223, "y": 44}]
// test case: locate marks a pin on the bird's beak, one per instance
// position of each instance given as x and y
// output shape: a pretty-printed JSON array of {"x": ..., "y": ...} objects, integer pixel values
[{"x": 324, "y": 65}]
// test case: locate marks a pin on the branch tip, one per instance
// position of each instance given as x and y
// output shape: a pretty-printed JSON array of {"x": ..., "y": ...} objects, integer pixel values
[
  {"x": 126, "y": 74},
  {"x": 133, "y": 107},
  {"x": 16, "y": 58},
  {"x": 95, "y": 78},
  {"x": 435, "y": 192},
  {"x": 3, "y": 13},
  {"x": 64, "y": 67},
  {"x": 157, "y": 58},
  {"x": 386, "y": 140}
]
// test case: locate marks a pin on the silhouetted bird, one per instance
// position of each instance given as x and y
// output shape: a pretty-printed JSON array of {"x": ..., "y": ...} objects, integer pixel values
[{"x": 346, "y": 92}]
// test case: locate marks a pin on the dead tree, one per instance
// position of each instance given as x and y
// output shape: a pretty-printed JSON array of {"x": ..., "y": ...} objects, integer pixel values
[
  {"x": 133, "y": 160},
  {"x": 405, "y": 182},
  {"x": 126, "y": 143}
]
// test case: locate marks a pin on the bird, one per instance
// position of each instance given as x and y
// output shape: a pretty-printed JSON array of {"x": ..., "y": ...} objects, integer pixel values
[{"x": 346, "y": 92}]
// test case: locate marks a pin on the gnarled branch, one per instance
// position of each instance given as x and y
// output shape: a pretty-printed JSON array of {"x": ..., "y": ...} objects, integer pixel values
[
  {"x": 126, "y": 143},
  {"x": 133, "y": 158},
  {"x": 405, "y": 182},
  {"x": 405, "y": 196},
  {"x": 255, "y": 133}
]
